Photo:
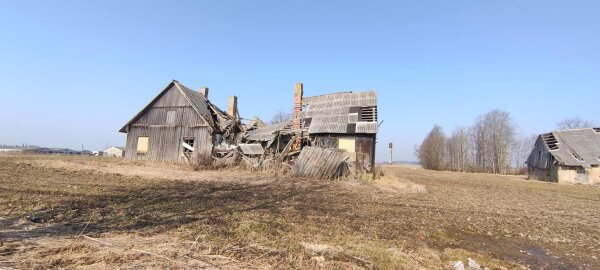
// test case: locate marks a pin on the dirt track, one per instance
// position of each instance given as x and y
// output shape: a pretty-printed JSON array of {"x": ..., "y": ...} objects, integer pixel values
[{"x": 410, "y": 219}]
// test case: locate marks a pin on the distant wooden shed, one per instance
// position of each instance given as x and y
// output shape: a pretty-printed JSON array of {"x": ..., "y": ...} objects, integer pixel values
[
  {"x": 566, "y": 156},
  {"x": 180, "y": 124}
]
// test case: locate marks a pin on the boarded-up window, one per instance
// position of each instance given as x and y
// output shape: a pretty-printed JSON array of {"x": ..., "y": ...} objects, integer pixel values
[
  {"x": 368, "y": 114},
  {"x": 171, "y": 117},
  {"x": 142, "y": 145},
  {"x": 348, "y": 144}
]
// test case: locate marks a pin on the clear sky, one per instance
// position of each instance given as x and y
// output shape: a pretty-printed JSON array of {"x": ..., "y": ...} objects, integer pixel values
[{"x": 73, "y": 72}]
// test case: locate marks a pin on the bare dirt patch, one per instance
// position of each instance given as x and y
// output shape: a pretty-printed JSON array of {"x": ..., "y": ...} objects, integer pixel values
[{"x": 501, "y": 222}]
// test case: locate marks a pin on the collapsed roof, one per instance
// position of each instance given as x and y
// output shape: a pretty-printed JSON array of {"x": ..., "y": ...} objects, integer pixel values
[
  {"x": 268, "y": 132},
  {"x": 574, "y": 147}
]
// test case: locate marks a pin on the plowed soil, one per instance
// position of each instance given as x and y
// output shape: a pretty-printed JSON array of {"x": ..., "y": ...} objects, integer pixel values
[{"x": 99, "y": 213}]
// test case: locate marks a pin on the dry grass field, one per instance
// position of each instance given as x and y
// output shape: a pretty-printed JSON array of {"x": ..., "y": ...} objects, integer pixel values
[{"x": 98, "y": 213}]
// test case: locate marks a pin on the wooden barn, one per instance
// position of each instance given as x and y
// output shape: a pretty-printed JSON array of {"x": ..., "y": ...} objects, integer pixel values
[
  {"x": 567, "y": 156},
  {"x": 180, "y": 124},
  {"x": 344, "y": 120}
]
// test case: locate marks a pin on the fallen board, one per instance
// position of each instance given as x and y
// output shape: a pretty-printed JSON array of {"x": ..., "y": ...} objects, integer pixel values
[{"x": 320, "y": 163}]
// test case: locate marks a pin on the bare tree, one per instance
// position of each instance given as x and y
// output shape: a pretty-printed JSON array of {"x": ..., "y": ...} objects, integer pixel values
[
  {"x": 458, "y": 148},
  {"x": 479, "y": 136},
  {"x": 520, "y": 151},
  {"x": 493, "y": 136},
  {"x": 502, "y": 135},
  {"x": 431, "y": 152},
  {"x": 490, "y": 146},
  {"x": 572, "y": 123},
  {"x": 280, "y": 117}
]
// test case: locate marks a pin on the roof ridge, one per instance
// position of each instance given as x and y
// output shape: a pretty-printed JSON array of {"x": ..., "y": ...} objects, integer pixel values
[
  {"x": 572, "y": 129},
  {"x": 345, "y": 92}
]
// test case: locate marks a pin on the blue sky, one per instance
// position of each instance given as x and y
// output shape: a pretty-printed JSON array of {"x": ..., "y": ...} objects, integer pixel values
[{"x": 73, "y": 72}]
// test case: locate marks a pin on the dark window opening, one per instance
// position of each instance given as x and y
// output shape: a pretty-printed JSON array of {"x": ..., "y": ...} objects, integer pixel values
[
  {"x": 188, "y": 145},
  {"x": 217, "y": 139}
]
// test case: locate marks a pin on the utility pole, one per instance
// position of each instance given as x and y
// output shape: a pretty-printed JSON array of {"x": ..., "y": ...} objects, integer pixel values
[{"x": 391, "y": 154}]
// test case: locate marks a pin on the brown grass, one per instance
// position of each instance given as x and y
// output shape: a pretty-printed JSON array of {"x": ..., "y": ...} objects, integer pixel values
[{"x": 409, "y": 219}]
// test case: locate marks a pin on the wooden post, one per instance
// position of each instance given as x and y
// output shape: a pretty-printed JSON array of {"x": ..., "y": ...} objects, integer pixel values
[{"x": 391, "y": 154}]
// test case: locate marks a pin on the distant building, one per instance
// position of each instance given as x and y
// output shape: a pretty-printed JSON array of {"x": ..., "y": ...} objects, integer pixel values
[
  {"x": 114, "y": 151},
  {"x": 10, "y": 150},
  {"x": 59, "y": 151},
  {"x": 567, "y": 156},
  {"x": 16, "y": 148}
]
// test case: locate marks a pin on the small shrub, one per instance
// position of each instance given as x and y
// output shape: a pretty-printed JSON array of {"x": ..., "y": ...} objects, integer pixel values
[{"x": 202, "y": 162}]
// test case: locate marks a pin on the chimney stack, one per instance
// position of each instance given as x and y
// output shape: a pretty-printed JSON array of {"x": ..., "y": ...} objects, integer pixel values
[
  {"x": 232, "y": 106},
  {"x": 204, "y": 91},
  {"x": 298, "y": 92}
]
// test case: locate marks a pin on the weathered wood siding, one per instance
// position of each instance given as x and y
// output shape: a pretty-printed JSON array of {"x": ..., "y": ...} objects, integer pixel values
[
  {"x": 165, "y": 142},
  {"x": 363, "y": 157},
  {"x": 167, "y": 122},
  {"x": 365, "y": 153},
  {"x": 540, "y": 163}
]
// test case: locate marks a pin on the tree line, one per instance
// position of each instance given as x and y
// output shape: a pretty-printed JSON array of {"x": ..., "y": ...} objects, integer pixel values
[{"x": 490, "y": 145}]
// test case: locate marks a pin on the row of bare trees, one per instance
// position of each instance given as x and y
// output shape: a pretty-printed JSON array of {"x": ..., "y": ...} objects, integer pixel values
[{"x": 490, "y": 145}]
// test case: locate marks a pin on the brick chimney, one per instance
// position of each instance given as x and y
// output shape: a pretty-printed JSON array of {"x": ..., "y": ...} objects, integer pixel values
[
  {"x": 204, "y": 91},
  {"x": 298, "y": 91},
  {"x": 232, "y": 106}
]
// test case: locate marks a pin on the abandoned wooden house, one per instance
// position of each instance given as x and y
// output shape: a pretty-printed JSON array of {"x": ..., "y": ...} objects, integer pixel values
[
  {"x": 566, "y": 156},
  {"x": 180, "y": 124},
  {"x": 345, "y": 121}
]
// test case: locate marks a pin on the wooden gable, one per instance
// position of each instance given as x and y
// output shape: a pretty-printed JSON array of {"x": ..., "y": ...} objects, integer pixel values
[{"x": 171, "y": 107}]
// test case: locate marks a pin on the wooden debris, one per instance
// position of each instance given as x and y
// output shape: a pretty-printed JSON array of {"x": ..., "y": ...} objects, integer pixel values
[{"x": 320, "y": 163}]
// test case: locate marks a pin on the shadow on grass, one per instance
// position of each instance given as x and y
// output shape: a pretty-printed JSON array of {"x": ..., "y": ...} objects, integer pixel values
[{"x": 143, "y": 206}]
